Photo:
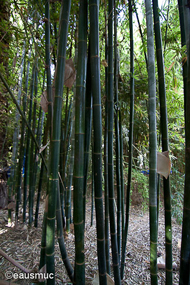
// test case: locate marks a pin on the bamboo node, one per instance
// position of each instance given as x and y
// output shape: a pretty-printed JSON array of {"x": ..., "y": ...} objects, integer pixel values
[
  {"x": 77, "y": 224},
  {"x": 79, "y": 263},
  {"x": 186, "y": 208},
  {"x": 95, "y": 56},
  {"x": 50, "y": 219},
  {"x": 169, "y": 270},
  {"x": 99, "y": 198},
  {"x": 95, "y": 105},
  {"x": 117, "y": 264},
  {"x": 100, "y": 239},
  {"x": 152, "y": 242},
  {"x": 52, "y": 254}
]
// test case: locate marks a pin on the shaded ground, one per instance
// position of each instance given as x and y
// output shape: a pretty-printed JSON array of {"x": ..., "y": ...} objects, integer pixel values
[{"x": 24, "y": 246}]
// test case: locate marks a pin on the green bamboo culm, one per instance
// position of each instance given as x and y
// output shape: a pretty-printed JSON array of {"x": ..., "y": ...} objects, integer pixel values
[
  {"x": 70, "y": 175},
  {"x": 88, "y": 128},
  {"x": 14, "y": 168},
  {"x": 183, "y": 43},
  {"x": 29, "y": 147},
  {"x": 13, "y": 176},
  {"x": 185, "y": 246},
  {"x": 63, "y": 154},
  {"x": 106, "y": 189},
  {"x": 117, "y": 137},
  {"x": 48, "y": 63},
  {"x": 69, "y": 168},
  {"x": 130, "y": 136},
  {"x": 33, "y": 163},
  {"x": 23, "y": 116},
  {"x": 167, "y": 24},
  {"x": 67, "y": 140},
  {"x": 43, "y": 238},
  {"x": 152, "y": 145},
  {"x": 25, "y": 182},
  {"x": 21, "y": 147},
  {"x": 114, "y": 244},
  {"x": 45, "y": 137},
  {"x": 62, "y": 247},
  {"x": 55, "y": 141},
  {"x": 97, "y": 125},
  {"x": 182, "y": 16},
  {"x": 122, "y": 177},
  {"x": 141, "y": 34},
  {"x": 92, "y": 184},
  {"x": 164, "y": 133},
  {"x": 79, "y": 145},
  {"x": 39, "y": 138}
]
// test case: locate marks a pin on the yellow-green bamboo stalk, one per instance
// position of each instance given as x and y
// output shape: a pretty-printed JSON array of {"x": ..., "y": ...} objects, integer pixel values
[{"x": 152, "y": 145}]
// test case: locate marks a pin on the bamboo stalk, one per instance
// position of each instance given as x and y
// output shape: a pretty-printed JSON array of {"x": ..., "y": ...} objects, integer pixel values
[
  {"x": 92, "y": 185},
  {"x": 167, "y": 25},
  {"x": 141, "y": 34},
  {"x": 48, "y": 63},
  {"x": 122, "y": 177},
  {"x": 152, "y": 145},
  {"x": 88, "y": 128},
  {"x": 97, "y": 124},
  {"x": 114, "y": 244},
  {"x": 23, "y": 117},
  {"x": 45, "y": 137},
  {"x": 60, "y": 236},
  {"x": 79, "y": 145},
  {"x": 164, "y": 132},
  {"x": 26, "y": 157},
  {"x": 43, "y": 237},
  {"x": 117, "y": 137},
  {"x": 55, "y": 141},
  {"x": 130, "y": 136},
  {"x": 106, "y": 185},
  {"x": 21, "y": 148},
  {"x": 32, "y": 150},
  {"x": 70, "y": 175},
  {"x": 185, "y": 248},
  {"x": 14, "y": 173}
]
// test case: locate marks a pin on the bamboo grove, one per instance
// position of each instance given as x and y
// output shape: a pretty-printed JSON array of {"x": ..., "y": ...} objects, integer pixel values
[{"x": 77, "y": 132}]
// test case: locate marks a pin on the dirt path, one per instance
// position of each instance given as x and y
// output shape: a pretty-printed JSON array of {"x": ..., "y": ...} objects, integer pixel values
[{"x": 24, "y": 246}]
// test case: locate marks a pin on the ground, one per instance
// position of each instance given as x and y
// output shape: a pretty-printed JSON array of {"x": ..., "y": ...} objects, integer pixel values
[{"x": 24, "y": 246}]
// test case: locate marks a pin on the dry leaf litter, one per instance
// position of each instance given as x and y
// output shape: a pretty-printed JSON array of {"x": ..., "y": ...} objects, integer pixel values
[{"x": 23, "y": 245}]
